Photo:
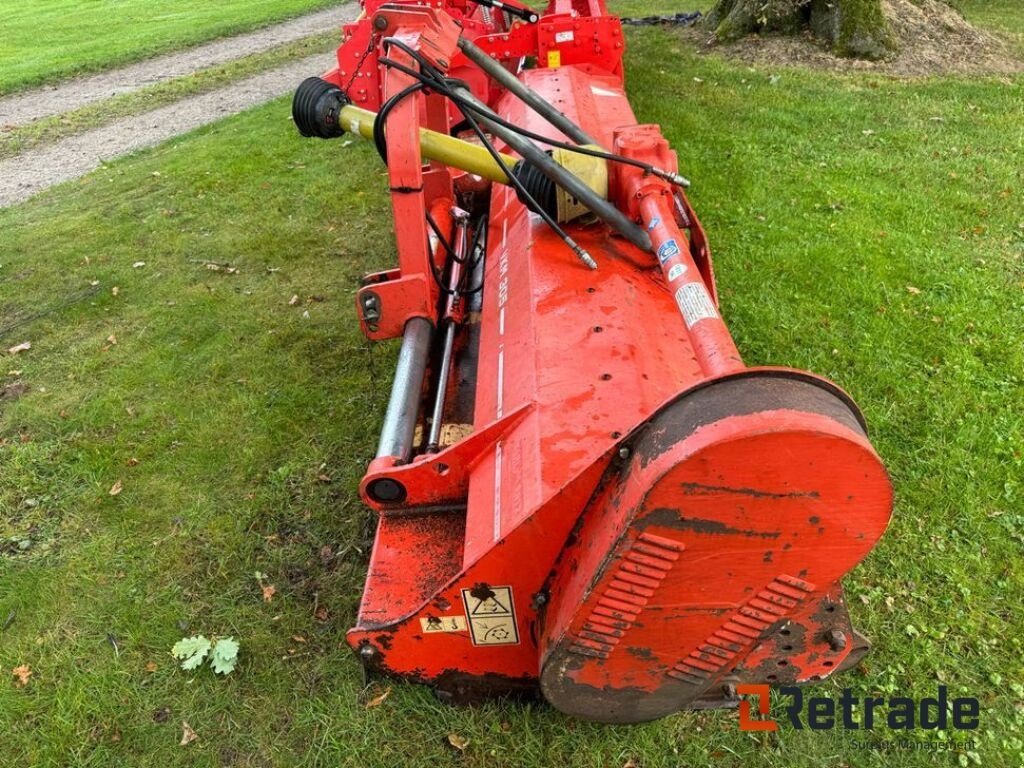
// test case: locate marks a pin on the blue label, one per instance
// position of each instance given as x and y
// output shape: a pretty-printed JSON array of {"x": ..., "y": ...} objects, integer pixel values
[
  {"x": 654, "y": 222},
  {"x": 667, "y": 250}
]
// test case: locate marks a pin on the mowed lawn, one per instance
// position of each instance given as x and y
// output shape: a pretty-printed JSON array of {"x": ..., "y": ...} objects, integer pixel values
[
  {"x": 867, "y": 229},
  {"x": 46, "y": 40}
]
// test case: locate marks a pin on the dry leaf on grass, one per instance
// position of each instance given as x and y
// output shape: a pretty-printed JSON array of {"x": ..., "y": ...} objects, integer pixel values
[
  {"x": 376, "y": 701},
  {"x": 913, "y": 290},
  {"x": 115, "y": 488},
  {"x": 151, "y": 667},
  {"x": 269, "y": 590},
  {"x": 187, "y": 734},
  {"x": 459, "y": 742},
  {"x": 22, "y": 673},
  {"x": 23, "y": 347}
]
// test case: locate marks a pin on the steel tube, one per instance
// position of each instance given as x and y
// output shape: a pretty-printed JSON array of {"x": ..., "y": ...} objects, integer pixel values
[
  {"x": 710, "y": 338},
  {"x": 522, "y": 91},
  {"x": 403, "y": 407},
  {"x": 434, "y": 441},
  {"x": 451, "y": 312}
]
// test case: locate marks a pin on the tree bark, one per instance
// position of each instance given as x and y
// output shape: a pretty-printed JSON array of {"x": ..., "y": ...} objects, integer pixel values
[{"x": 855, "y": 28}]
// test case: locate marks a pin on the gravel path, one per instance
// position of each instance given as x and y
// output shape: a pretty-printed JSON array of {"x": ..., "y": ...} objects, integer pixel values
[
  {"x": 22, "y": 108},
  {"x": 35, "y": 170}
]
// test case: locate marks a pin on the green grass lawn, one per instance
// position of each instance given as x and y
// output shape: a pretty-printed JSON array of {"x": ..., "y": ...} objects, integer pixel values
[
  {"x": 45, "y": 40},
  {"x": 867, "y": 229}
]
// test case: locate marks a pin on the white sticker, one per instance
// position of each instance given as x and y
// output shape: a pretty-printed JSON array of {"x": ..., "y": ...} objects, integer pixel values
[
  {"x": 564, "y": 37},
  {"x": 695, "y": 304},
  {"x": 676, "y": 272},
  {"x": 491, "y": 614},
  {"x": 432, "y": 624}
]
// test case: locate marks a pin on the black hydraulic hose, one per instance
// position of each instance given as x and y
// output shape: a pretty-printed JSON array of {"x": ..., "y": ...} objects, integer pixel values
[
  {"x": 379, "y": 137},
  {"x": 486, "y": 111},
  {"x": 435, "y": 80}
]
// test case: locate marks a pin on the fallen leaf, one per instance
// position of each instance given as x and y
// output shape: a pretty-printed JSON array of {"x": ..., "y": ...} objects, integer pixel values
[
  {"x": 298, "y": 639},
  {"x": 459, "y": 742},
  {"x": 151, "y": 667},
  {"x": 187, "y": 734},
  {"x": 23, "y": 673},
  {"x": 161, "y": 715},
  {"x": 912, "y": 290},
  {"x": 112, "y": 339},
  {"x": 132, "y": 462},
  {"x": 115, "y": 488},
  {"x": 225, "y": 656},
  {"x": 115, "y": 290},
  {"x": 269, "y": 590},
  {"x": 293, "y": 300},
  {"x": 23, "y": 347},
  {"x": 324, "y": 478},
  {"x": 376, "y": 701},
  {"x": 321, "y": 614},
  {"x": 138, "y": 264}
]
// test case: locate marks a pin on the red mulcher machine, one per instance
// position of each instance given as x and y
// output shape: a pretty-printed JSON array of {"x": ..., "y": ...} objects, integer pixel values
[{"x": 581, "y": 488}]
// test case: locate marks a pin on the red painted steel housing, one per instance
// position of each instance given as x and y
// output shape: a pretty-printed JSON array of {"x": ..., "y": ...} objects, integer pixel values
[{"x": 630, "y": 519}]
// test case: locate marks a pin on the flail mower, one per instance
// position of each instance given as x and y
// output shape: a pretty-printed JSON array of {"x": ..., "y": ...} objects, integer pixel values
[{"x": 581, "y": 489}]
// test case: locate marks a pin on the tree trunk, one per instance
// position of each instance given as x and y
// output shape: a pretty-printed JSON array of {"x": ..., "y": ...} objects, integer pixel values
[{"x": 854, "y": 28}]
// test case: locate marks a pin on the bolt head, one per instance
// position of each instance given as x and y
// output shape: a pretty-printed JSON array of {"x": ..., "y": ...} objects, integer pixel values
[
  {"x": 624, "y": 453},
  {"x": 367, "y": 652},
  {"x": 836, "y": 639}
]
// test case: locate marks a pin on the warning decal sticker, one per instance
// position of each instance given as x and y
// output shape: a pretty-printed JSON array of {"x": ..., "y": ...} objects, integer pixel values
[
  {"x": 695, "y": 304},
  {"x": 491, "y": 615},
  {"x": 443, "y": 624}
]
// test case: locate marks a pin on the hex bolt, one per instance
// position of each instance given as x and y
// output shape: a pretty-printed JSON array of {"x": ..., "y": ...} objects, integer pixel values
[
  {"x": 836, "y": 639},
  {"x": 380, "y": 23},
  {"x": 624, "y": 453},
  {"x": 367, "y": 652}
]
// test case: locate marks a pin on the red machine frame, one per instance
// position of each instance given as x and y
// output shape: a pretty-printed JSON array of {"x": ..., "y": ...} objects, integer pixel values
[{"x": 622, "y": 514}]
